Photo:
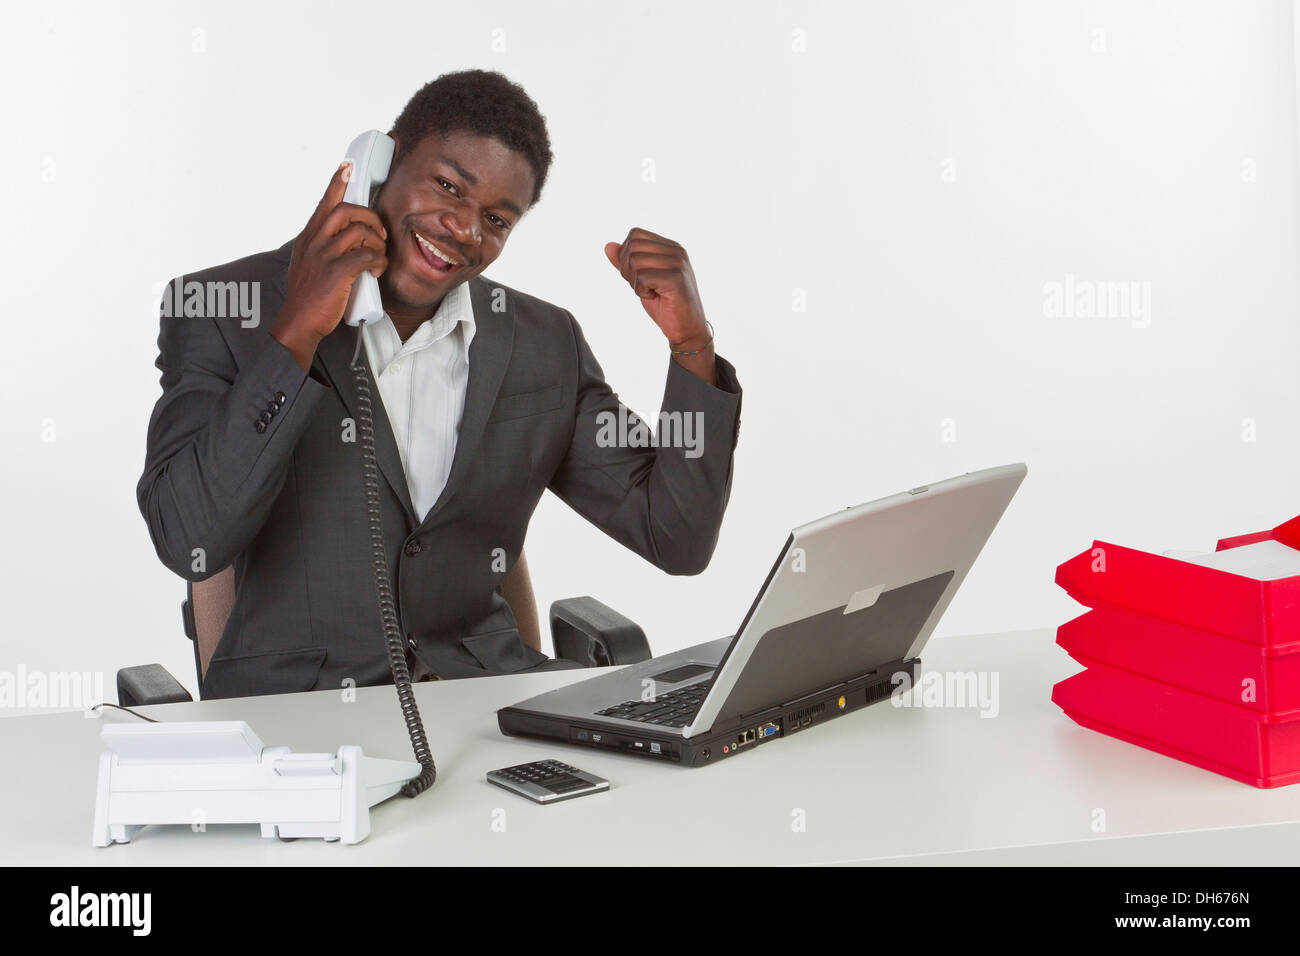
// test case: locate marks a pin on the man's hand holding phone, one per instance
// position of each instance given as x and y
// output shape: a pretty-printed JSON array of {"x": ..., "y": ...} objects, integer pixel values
[{"x": 339, "y": 243}]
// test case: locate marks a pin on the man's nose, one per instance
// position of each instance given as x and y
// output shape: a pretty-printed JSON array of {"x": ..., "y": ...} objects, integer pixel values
[{"x": 463, "y": 226}]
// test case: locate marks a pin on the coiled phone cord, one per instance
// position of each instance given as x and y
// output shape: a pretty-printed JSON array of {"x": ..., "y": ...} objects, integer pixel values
[{"x": 384, "y": 586}]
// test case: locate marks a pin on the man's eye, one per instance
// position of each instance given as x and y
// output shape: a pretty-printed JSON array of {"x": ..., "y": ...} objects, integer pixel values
[
  {"x": 497, "y": 221},
  {"x": 445, "y": 185}
]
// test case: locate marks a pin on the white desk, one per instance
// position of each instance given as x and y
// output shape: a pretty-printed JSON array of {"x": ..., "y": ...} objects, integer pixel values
[{"x": 885, "y": 784}]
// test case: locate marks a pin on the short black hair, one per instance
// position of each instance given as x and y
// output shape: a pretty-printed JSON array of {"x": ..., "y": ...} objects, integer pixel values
[{"x": 483, "y": 102}]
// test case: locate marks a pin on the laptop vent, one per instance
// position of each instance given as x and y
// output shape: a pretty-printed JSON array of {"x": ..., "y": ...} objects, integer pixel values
[
  {"x": 808, "y": 713},
  {"x": 879, "y": 692}
]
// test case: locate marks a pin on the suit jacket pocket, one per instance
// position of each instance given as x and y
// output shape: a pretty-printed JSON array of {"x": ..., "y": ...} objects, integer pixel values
[
  {"x": 269, "y": 672},
  {"x": 502, "y": 652},
  {"x": 525, "y": 404}
]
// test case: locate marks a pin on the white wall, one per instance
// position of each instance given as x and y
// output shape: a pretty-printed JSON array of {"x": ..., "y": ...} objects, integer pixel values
[{"x": 921, "y": 170}]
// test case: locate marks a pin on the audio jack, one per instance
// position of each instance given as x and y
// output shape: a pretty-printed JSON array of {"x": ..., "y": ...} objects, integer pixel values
[{"x": 384, "y": 586}]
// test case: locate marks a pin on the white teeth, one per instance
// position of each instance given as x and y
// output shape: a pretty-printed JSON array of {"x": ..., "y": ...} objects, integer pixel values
[{"x": 434, "y": 249}]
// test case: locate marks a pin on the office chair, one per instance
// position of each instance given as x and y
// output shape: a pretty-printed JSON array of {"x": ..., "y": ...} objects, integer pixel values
[{"x": 583, "y": 630}]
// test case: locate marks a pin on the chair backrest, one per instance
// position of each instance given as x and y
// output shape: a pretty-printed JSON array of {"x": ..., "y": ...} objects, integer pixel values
[
  {"x": 517, "y": 589},
  {"x": 211, "y": 601}
]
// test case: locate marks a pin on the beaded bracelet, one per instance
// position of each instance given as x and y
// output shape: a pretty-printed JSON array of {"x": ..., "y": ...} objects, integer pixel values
[{"x": 706, "y": 345}]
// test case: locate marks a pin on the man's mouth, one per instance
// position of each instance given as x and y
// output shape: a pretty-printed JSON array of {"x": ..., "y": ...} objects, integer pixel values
[{"x": 439, "y": 261}]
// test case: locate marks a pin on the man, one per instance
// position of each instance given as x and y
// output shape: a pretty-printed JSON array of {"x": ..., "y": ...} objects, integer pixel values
[{"x": 487, "y": 396}]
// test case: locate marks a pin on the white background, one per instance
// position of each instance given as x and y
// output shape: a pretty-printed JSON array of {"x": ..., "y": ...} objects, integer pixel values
[{"x": 921, "y": 170}]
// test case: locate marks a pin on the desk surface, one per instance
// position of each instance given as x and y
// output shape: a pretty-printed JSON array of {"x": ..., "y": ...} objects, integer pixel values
[{"x": 885, "y": 784}]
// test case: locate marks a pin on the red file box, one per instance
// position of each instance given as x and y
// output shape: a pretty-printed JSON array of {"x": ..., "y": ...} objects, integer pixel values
[
  {"x": 1266, "y": 613},
  {"x": 1220, "y": 667},
  {"x": 1170, "y": 647},
  {"x": 1254, "y": 748}
]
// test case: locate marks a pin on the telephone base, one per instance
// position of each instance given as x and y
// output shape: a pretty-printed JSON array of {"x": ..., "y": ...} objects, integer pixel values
[{"x": 214, "y": 772}]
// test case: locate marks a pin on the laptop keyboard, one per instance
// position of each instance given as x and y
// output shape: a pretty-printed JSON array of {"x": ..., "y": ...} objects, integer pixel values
[{"x": 673, "y": 709}]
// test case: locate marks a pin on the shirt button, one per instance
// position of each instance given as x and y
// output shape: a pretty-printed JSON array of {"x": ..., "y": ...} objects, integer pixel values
[
  {"x": 395, "y": 367},
  {"x": 412, "y": 548},
  {"x": 260, "y": 426},
  {"x": 281, "y": 398}
]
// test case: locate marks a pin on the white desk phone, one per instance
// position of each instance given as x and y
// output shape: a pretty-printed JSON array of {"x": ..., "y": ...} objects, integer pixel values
[
  {"x": 218, "y": 771},
  {"x": 211, "y": 772}
]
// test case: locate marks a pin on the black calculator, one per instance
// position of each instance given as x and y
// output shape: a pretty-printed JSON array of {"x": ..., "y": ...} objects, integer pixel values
[{"x": 547, "y": 781}]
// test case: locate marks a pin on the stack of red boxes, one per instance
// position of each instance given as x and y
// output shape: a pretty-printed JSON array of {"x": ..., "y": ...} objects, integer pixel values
[{"x": 1193, "y": 662}]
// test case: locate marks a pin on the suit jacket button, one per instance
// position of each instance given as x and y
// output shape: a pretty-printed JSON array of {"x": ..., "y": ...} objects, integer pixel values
[
  {"x": 272, "y": 407},
  {"x": 264, "y": 418},
  {"x": 260, "y": 426},
  {"x": 412, "y": 549},
  {"x": 413, "y": 642},
  {"x": 281, "y": 398}
]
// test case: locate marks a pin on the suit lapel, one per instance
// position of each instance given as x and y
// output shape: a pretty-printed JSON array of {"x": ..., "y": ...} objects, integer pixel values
[
  {"x": 333, "y": 360},
  {"x": 489, "y": 356}
]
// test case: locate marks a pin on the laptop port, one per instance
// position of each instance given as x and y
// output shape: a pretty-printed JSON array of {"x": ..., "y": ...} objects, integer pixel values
[{"x": 767, "y": 730}]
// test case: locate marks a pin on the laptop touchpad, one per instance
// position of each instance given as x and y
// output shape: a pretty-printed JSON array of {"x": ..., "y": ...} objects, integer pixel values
[{"x": 679, "y": 674}]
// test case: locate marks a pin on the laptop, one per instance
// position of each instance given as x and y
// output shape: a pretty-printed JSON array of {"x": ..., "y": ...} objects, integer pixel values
[{"x": 844, "y": 613}]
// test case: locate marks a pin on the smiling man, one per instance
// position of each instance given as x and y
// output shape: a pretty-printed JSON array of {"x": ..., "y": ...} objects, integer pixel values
[{"x": 489, "y": 396}]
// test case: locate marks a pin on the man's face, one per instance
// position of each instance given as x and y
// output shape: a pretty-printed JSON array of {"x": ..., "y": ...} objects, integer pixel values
[{"x": 460, "y": 192}]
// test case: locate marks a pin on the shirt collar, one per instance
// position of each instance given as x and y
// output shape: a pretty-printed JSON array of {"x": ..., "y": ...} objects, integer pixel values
[{"x": 455, "y": 310}]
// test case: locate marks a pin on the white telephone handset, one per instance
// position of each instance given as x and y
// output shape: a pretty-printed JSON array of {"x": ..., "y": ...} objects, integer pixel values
[{"x": 371, "y": 154}]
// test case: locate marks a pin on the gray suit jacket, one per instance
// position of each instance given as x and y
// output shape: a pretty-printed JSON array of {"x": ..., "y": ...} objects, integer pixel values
[{"x": 282, "y": 500}]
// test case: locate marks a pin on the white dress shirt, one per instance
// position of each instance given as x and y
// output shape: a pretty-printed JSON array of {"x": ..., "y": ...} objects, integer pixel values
[{"x": 422, "y": 382}]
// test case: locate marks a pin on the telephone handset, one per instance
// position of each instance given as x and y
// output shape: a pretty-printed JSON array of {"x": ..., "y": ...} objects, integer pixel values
[{"x": 371, "y": 155}]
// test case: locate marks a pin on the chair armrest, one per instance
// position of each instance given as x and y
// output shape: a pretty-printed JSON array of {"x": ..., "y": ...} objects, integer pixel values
[
  {"x": 148, "y": 684},
  {"x": 594, "y": 634}
]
